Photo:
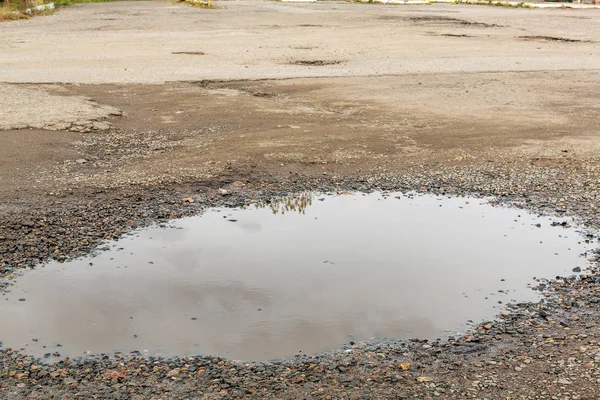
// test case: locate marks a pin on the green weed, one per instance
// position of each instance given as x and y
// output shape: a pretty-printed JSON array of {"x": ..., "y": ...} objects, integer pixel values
[{"x": 71, "y": 2}]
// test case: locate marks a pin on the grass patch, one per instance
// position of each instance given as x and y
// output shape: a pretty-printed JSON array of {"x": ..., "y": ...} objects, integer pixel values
[
  {"x": 15, "y": 9},
  {"x": 200, "y": 3},
  {"x": 16, "y": 5},
  {"x": 11, "y": 15},
  {"x": 71, "y": 2},
  {"x": 11, "y": 10}
]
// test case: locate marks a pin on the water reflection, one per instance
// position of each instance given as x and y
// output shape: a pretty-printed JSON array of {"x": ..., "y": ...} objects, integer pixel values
[
  {"x": 293, "y": 275},
  {"x": 293, "y": 203}
]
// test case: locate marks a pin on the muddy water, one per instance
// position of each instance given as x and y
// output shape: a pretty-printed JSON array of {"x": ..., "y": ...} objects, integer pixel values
[{"x": 256, "y": 284}]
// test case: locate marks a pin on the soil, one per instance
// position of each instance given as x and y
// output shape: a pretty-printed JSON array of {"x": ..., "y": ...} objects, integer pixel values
[{"x": 411, "y": 107}]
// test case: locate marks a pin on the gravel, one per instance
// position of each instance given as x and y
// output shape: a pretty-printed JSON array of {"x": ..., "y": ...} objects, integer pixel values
[{"x": 530, "y": 349}]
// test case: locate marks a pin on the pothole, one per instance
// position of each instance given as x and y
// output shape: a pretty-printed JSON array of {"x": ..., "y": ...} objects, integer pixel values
[
  {"x": 441, "y": 20},
  {"x": 552, "y": 39},
  {"x": 456, "y": 35},
  {"x": 316, "y": 63},
  {"x": 305, "y": 274},
  {"x": 190, "y": 53}
]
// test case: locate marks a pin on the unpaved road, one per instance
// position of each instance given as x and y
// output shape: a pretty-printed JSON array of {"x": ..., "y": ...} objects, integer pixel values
[{"x": 264, "y": 98}]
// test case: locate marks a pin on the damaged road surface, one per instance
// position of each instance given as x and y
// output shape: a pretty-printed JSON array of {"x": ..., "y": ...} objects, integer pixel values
[
  {"x": 263, "y": 283},
  {"x": 162, "y": 166}
]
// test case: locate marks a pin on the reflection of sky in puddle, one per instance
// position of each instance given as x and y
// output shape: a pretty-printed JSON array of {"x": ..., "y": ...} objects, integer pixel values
[{"x": 350, "y": 267}]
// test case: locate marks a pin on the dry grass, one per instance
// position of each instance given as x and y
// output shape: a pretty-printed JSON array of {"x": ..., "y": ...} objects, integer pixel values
[
  {"x": 13, "y": 9},
  {"x": 69, "y": 2},
  {"x": 21, "y": 9},
  {"x": 200, "y": 3},
  {"x": 17, "y": 5}
]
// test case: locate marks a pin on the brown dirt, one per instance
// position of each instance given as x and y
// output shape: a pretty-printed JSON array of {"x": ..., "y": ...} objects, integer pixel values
[{"x": 179, "y": 132}]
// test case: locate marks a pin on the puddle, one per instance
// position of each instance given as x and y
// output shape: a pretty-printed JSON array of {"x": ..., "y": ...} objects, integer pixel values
[{"x": 257, "y": 284}]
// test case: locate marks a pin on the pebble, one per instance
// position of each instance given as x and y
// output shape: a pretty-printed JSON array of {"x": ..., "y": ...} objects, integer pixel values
[{"x": 63, "y": 230}]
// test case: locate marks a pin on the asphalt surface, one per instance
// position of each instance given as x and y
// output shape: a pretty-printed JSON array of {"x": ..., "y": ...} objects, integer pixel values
[{"x": 151, "y": 42}]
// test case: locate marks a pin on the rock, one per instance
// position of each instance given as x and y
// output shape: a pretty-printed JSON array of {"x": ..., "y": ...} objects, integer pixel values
[
  {"x": 224, "y": 192},
  {"x": 577, "y": 269},
  {"x": 42, "y": 374},
  {"x": 564, "y": 381},
  {"x": 100, "y": 126},
  {"x": 60, "y": 126},
  {"x": 404, "y": 366},
  {"x": 81, "y": 161}
]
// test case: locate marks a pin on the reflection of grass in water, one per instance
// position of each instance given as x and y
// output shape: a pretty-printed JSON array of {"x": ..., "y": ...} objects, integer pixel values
[{"x": 294, "y": 203}]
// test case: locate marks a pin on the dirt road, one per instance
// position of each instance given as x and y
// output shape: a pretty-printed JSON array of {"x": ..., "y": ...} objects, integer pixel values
[
  {"x": 114, "y": 112},
  {"x": 349, "y": 88}
]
